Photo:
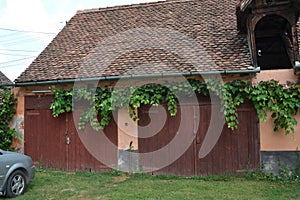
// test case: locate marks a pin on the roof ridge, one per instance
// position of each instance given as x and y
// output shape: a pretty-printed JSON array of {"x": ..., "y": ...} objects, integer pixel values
[{"x": 128, "y": 6}]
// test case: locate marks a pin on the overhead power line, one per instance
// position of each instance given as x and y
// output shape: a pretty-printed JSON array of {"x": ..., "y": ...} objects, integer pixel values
[
  {"x": 13, "y": 54},
  {"x": 23, "y": 41},
  {"x": 14, "y": 38},
  {"x": 12, "y": 61},
  {"x": 9, "y": 35},
  {"x": 19, "y": 50},
  {"x": 14, "y": 65},
  {"x": 25, "y": 31}
]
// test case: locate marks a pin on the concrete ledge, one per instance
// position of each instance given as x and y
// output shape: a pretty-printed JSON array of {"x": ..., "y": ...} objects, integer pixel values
[
  {"x": 274, "y": 161},
  {"x": 128, "y": 161}
]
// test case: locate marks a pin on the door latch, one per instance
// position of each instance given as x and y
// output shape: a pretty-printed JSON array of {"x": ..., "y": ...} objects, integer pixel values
[{"x": 68, "y": 140}]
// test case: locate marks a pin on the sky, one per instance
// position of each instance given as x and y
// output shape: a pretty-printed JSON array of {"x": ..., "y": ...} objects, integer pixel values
[{"x": 28, "y": 26}]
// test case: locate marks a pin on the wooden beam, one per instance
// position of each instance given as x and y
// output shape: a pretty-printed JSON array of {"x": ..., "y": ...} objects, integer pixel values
[{"x": 244, "y": 4}]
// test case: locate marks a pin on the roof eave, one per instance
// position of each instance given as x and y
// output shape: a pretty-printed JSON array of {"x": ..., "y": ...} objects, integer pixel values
[{"x": 162, "y": 75}]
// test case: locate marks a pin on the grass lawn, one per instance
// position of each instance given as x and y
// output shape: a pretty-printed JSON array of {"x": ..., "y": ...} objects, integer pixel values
[{"x": 82, "y": 185}]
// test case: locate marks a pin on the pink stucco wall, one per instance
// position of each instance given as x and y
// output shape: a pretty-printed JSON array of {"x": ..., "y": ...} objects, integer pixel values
[
  {"x": 127, "y": 130},
  {"x": 278, "y": 141}
]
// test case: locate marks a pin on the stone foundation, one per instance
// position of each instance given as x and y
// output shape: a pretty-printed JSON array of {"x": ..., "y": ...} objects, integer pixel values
[{"x": 274, "y": 161}]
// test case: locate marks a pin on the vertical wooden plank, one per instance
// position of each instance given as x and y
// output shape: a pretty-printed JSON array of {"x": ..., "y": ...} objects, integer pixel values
[
  {"x": 234, "y": 150},
  {"x": 244, "y": 143},
  {"x": 111, "y": 132},
  {"x": 220, "y": 153},
  {"x": 254, "y": 142},
  {"x": 45, "y": 138},
  {"x": 204, "y": 165},
  {"x": 184, "y": 165},
  {"x": 172, "y": 128},
  {"x": 71, "y": 133},
  {"x": 40, "y": 142},
  {"x": 53, "y": 142},
  {"x": 31, "y": 136},
  {"x": 250, "y": 135},
  {"x": 227, "y": 150},
  {"x": 80, "y": 159},
  {"x": 216, "y": 154},
  {"x": 158, "y": 138}
]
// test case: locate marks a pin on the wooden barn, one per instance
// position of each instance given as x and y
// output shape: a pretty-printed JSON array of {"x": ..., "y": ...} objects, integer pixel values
[{"x": 151, "y": 43}]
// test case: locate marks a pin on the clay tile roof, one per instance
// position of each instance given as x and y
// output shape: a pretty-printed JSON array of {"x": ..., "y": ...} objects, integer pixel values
[
  {"x": 4, "y": 80},
  {"x": 162, "y": 37}
]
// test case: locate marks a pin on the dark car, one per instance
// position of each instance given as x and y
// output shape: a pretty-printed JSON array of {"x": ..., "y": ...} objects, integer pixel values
[{"x": 16, "y": 171}]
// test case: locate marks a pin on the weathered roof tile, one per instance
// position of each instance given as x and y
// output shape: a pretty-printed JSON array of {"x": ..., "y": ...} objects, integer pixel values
[
  {"x": 4, "y": 80},
  {"x": 162, "y": 37}
]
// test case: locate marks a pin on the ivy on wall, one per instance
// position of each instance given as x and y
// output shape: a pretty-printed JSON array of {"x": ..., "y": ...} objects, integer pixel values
[
  {"x": 7, "y": 112},
  {"x": 282, "y": 102}
]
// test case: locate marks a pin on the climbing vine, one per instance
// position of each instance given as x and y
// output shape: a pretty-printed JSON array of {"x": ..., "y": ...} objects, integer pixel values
[
  {"x": 282, "y": 102},
  {"x": 7, "y": 111},
  {"x": 63, "y": 101}
]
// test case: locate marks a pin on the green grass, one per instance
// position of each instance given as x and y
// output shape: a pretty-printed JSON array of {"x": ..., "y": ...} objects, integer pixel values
[{"x": 82, "y": 185}]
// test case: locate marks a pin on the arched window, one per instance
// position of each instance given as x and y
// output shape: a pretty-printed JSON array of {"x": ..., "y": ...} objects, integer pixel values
[{"x": 273, "y": 39}]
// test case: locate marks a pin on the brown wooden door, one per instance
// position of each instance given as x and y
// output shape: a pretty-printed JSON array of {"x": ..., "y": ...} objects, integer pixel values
[
  {"x": 184, "y": 165},
  {"x": 233, "y": 152},
  {"x": 44, "y": 146},
  {"x": 54, "y": 142},
  {"x": 79, "y": 157},
  {"x": 44, "y": 135}
]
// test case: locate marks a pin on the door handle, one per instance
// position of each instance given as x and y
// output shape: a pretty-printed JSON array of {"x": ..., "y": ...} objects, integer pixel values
[{"x": 67, "y": 140}]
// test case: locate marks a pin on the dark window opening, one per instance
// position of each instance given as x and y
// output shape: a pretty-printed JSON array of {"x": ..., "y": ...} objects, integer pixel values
[
  {"x": 275, "y": 2},
  {"x": 273, "y": 39}
]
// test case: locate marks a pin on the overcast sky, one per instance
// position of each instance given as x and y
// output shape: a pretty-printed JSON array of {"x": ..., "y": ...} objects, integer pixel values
[{"x": 28, "y": 26}]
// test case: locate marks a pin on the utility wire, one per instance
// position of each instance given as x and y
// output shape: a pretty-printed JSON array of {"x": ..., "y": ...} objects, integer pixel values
[
  {"x": 9, "y": 35},
  {"x": 10, "y": 54},
  {"x": 11, "y": 61},
  {"x": 25, "y": 40},
  {"x": 17, "y": 50},
  {"x": 14, "y": 65},
  {"x": 23, "y": 31},
  {"x": 16, "y": 37}
]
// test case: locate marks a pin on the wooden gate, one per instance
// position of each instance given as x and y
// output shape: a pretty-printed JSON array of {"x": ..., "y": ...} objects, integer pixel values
[
  {"x": 234, "y": 152},
  {"x": 54, "y": 142}
]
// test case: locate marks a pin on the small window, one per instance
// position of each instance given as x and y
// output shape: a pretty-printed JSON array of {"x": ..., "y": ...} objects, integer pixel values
[{"x": 273, "y": 40}]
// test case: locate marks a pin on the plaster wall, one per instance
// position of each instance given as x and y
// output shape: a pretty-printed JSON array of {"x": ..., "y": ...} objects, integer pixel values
[
  {"x": 282, "y": 75},
  {"x": 127, "y": 130},
  {"x": 269, "y": 139},
  {"x": 18, "y": 121},
  {"x": 278, "y": 141}
]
